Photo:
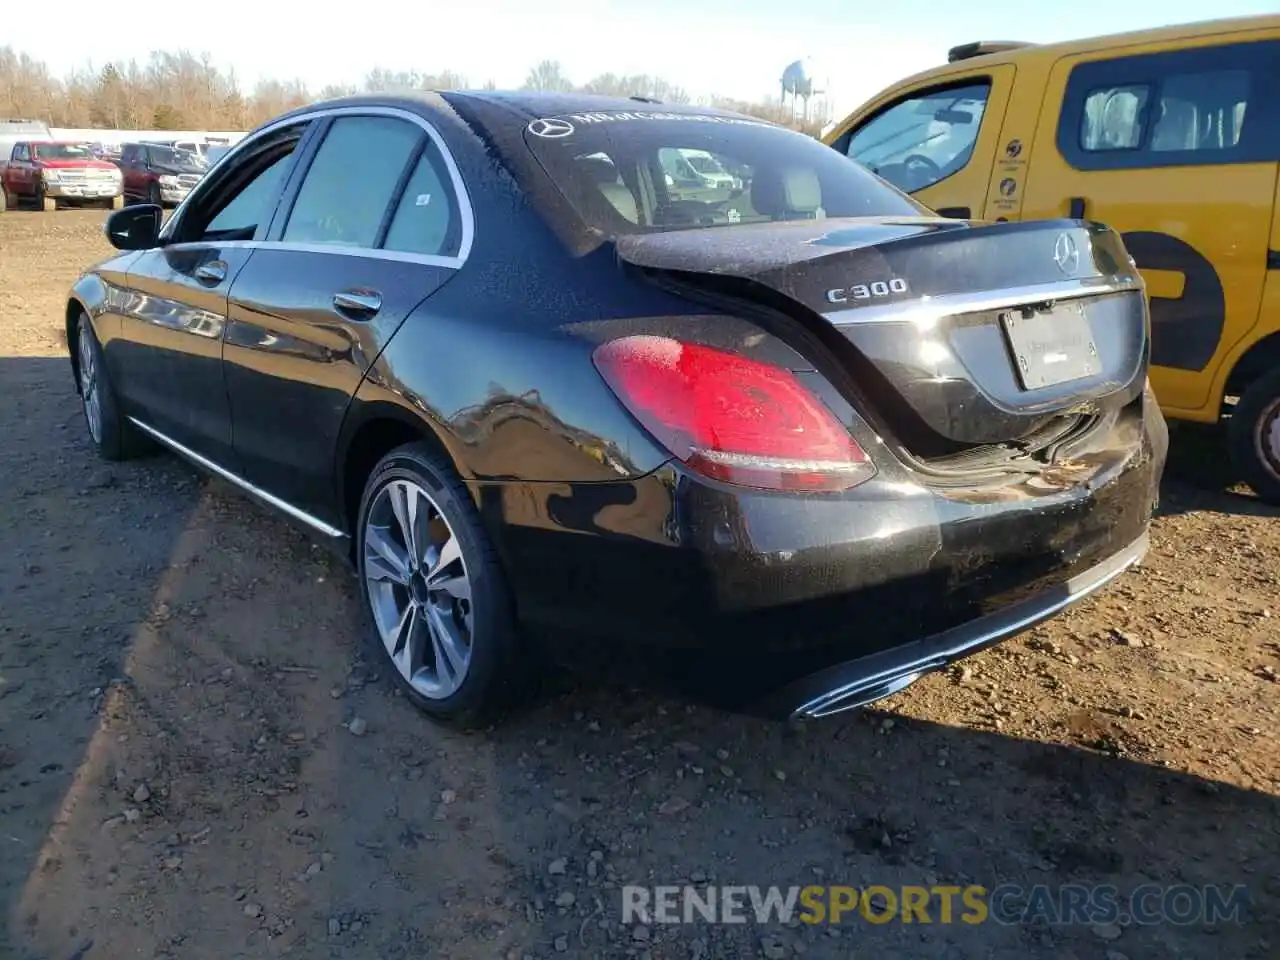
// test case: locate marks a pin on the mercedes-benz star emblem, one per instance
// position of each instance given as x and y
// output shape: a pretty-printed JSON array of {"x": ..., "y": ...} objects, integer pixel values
[
  {"x": 1066, "y": 254},
  {"x": 551, "y": 128}
]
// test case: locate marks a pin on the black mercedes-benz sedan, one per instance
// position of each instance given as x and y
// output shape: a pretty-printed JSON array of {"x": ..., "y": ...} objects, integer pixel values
[{"x": 547, "y": 365}]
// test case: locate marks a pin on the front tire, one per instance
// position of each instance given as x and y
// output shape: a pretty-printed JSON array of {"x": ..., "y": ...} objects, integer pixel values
[
  {"x": 113, "y": 436},
  {"x": 434, "y": 594},
  {"x": 154, "y": 196},
  {"x": 1254, "y": 436},
  {"x": 43, "y": 203}
]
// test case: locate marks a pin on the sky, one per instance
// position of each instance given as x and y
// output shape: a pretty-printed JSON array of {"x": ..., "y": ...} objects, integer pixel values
[{"x": 734, "y": 48}]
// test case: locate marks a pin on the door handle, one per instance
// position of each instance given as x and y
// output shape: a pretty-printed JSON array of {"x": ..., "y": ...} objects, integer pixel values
[
  {"x": 1076, "y": 209},
  {"x": 215, "y": 271},
  {"x": 955, "y": 213},
  {"x": 358, "y": 301}
]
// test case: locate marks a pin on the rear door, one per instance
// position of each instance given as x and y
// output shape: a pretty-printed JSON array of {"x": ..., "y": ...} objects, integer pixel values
[
  {"x": 937, "y": 141},
  {"x": 1177, "y": 150},
  {"x": 170, "y": 353},
  {"x": 371, "y": 226}
]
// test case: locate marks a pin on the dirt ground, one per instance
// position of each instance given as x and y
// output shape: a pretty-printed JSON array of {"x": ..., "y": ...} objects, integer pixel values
[{"x": 179, "y": 777}]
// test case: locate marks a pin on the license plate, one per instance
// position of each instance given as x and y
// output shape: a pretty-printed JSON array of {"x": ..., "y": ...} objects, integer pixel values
[{"x": 1051, "y": 348}]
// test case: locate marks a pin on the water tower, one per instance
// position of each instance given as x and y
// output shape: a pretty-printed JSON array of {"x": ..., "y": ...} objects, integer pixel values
[{"x": 799, "y": 83}]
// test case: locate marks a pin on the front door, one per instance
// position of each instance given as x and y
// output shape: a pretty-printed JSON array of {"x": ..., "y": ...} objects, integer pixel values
[
  {"x": 369, "y": 231},
  {"x": 1177, "y": 150},
  {"x": 938, "y": 142},
  {"x": 175, "y": 316}
]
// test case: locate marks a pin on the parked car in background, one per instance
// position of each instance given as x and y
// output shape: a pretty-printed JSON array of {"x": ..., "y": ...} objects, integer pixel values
[
  {"x": 1172, "y": 137},
  {"x": 46, "y": 175},
  {"x": 13, "y": 129},
  {"x": 159, "y": 174},
  {"x": 106, "y": 151},
  {"x": 805, "y": 440},
  {"x": 198, "y": 147},
  {"x": 216, "y": 152}
]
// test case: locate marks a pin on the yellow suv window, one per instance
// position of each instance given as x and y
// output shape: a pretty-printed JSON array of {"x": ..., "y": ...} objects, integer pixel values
[{"x": 923, "y": 139}]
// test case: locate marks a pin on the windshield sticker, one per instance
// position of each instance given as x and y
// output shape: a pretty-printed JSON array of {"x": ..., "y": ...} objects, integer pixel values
[
  {"x": 423, "y": 199},
  {"x": 554, "y": 128}
]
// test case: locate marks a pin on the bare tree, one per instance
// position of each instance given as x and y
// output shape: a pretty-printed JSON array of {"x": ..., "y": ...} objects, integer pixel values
[
  {"x": 548, "y": 77},
  {"x": 177, "y": 89}
]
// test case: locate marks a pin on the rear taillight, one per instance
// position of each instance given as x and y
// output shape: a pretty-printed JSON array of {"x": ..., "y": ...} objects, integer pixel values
[{"x": 731, "y": 418}]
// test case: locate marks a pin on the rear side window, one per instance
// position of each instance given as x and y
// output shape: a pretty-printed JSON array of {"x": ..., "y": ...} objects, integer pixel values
[
  {"x": 646, "y": 171},
  {"x": 426, "y": 218},
  {"x": 351, "y": 182},
  {"x": 923, "y": 139},
  {"x": 1201, "y": 106}
]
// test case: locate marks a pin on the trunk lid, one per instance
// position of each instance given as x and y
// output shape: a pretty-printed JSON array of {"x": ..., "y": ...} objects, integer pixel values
[{"x": 979, "y": 333}]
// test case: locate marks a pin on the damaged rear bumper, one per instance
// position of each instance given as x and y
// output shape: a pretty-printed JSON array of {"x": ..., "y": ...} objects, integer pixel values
[{"x": 864, "y": 680}]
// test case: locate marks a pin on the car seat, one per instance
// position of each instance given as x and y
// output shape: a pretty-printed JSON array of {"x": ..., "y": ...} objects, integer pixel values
[{"x": 787, "y": 193}]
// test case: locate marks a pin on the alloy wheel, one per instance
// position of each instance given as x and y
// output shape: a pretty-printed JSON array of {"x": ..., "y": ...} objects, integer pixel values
[
  {"x": 418, "y": 587},
  {"x": 89, "y": 396}
]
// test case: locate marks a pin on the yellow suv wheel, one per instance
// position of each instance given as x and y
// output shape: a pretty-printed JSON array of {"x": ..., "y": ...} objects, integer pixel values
[{"x": 1255, "y": 436}]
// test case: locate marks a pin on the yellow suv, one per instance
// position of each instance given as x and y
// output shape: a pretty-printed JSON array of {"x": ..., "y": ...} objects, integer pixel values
[{"x": 1172, "y": 137}]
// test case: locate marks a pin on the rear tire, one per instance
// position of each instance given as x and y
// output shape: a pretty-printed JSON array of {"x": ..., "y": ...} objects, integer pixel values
[
  {"x": 112, "y": 435},
  {"x": 1254, "y": 436},
  {"x": 433, "y": 592}
]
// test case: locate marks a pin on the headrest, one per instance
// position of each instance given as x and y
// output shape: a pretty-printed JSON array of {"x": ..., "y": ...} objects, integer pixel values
[
  {"x": 600, "y": 170},
  {"x": 786, "y": 192}
]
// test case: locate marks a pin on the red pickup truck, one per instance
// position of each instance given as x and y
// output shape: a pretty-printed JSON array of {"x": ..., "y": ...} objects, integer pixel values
[{"x": 48, "y": 173}]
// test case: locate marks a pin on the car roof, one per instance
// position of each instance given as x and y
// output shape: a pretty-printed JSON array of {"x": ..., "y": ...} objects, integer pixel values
[
  {"x": 524, "y": 105},
  {"x": 1017, "y": 52}
]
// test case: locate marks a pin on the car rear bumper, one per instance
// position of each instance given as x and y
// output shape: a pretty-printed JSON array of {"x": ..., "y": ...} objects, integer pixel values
[
  {"x": 866, "y": 679},
  {"x": 785, "y": 604}
]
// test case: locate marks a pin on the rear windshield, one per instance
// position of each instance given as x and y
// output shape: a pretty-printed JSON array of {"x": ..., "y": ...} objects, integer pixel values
[
  {"x": 63, "y": 151},
  {"x": 644, "y": 171}
]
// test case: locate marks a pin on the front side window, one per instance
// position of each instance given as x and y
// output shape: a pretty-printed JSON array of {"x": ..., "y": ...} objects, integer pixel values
[
  {"x": 252, "y": 206},
  {"x": 923, "y": 139},
  {"x": 629, "y": 172},
  {"x": 20, "y": 152},
  {"x": 351, "y": 181},
  {"x": 238, "y": 201}
]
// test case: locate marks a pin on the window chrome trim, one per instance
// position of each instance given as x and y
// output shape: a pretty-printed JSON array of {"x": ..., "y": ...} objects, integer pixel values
[
  {"x": 929, "y": 310},
  {"x": 465, "y": 209},
  {"x": 269, "y": 499}
]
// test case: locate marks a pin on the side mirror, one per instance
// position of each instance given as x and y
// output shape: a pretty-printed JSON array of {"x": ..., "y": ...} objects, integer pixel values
[{"x": 135, "y": 228}]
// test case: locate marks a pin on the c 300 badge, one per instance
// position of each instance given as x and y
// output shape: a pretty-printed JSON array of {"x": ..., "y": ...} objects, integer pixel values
[{"x": 867, "y": 291}]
